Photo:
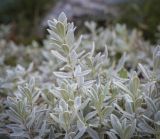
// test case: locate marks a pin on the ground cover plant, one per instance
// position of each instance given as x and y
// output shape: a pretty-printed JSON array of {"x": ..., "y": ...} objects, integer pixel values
[{"x": 101, "y": 85}]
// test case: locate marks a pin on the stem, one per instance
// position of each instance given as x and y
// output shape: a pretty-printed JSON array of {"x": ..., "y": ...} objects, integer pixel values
[
  {"x": 28, "y": 130},
  {"x": 100, "y": 126}
]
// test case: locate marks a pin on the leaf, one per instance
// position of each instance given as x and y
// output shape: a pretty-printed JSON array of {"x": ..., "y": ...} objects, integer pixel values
[
  {"x": 52, "y": 23},
  {"x": 81, "y": 53},
  {"x": 52, "y": 134},
  {"x": 84, "y": 104},
  {"x": 111, "y": 135},
  {"x": 123, "y": 73},
  {"x": 90, "y": 115},
  {"x": 88, "y": 83},
  {"x": 124, "y": 123},
  {"x": 80, "y": 133},
  {"x": 70, "y": 37},
  {"x": 93, "y": 134},
  {"x": 62, "y": 18},
  {"x": 66, "y": 116},
  {"x": 78, "y": 42},
  {"x": 30, "y": 68},
  {"x": 157, "y": 116},
  {"x": 63, "y": 105},
  {"x": 145, "y": 127},
  {"x": 63, "y": 74},
  {"x": 134, "y": 85},
  {"x": 123, "y": 87},
  {"x": 60, "y": 29},
  {"x": 55, "y": 118},
  {"x": 14, "y": 115},
  {"x": 127, "y": 133},
  {"x": 144, "y": 71},
  {"x": 93, "y": 49},
  {"x": 106, "y": 51},
  {"x": 106, "y": 89},
  {"x": 35, "y": 97},
  {"x": 77, "y": 102},
  {"x": 133, "y": 127},
  {"x": 73, "y": 57},
  {"x": 65, "y": 95},
  {"x": 54, "y": 35},
  {"x": 58, "y": 55},
  {"x": 83, "y": 73},
  {"x": 65, "y": 47},
  {"x": 31, "y": 118},
  {"x": 151, "y": 104},
  {"x": 128, "y": 107},
  {"x": 43, "y": 128},
  {"x": 80, "y": 125},
  {"x": 32, "y": 82},
  {"x": 116, "y": 124},
  {"x": 66, "y": 136},
  {"x": 78, "y": 69},
  {"x": 121, "y": 62},
  {"x": 107, "y": 111},
  {"x": 156, "y": 59},
  {"x": 18, "y": 134}
]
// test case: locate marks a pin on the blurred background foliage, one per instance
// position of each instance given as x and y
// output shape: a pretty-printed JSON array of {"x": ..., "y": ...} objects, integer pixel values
[
  {"x": 25, "y": 16},
  {"x": 142, "y": 14}
]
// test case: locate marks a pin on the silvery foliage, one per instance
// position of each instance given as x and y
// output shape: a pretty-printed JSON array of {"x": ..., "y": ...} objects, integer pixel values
[
  {"x": 29, "y": 118},
  {"x": 120, "y": 40},
  {"x": 77, "y": 89}
]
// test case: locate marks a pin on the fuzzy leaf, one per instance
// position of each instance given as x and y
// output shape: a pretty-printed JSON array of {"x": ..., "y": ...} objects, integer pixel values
[
  {"x": 116, "y": 124},
  {"x": 123, "y": 87},
  {"x": 134, "y": 85},
  {"x": 63, "y": 74},
  {"x": 92, "y": 133},
  {"x": 144, "y": 71},
  {"x": 58, "y": 55}
]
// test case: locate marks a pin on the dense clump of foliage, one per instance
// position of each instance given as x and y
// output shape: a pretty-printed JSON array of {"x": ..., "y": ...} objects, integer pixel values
[{"x": 102, "y": 85}]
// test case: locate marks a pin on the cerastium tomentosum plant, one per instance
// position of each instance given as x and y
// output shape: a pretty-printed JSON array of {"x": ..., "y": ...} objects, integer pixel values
[
  {"x": 73, "y": 82},
  {"x": 90, "y": 94},
  {"x": 94, "y": 93}
]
